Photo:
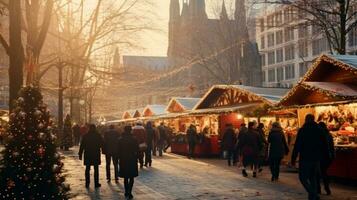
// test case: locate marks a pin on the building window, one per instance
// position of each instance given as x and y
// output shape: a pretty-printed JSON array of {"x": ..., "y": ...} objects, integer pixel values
[
  {"x": 303, "y": 30},
  {"x": 279, "y": 37},
  {"x": 279, "y": 55},
  {"x": 280, "y": 74},
  {"x": 289, "y": 34},
  {"x": 279, "y": 18},
  {"x": 271, "y": 75},
  {"x": 352, "y": 37},
  {"x": 262, "y": 42},
  {"x": 319, "y": 45},
  {"x": 303, "y": 49},
  {"x": 261, "y": 23},
  {"x": 263, "y": 76},
  {"x": 271, "y": 38},
  {"x": 262, "y": 59},
  {"x": 303, "y": 67},
  {"x": 270, "y": 21},
  {"x": 290, "y": 71},
  {"x": 289, "y": 52},
  {"x": 288, "y": 15},
  {"x": 271, "y": 57}
]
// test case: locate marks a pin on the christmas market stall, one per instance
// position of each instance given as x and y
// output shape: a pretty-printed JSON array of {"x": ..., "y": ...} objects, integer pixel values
[
  {"x": 153, "y": 111},
  {"x": 129, "y": 114},
  {"x": 178, "y": 119},
  {"x": 329, "y": 91},
  {"x": 226, "y": 104}
]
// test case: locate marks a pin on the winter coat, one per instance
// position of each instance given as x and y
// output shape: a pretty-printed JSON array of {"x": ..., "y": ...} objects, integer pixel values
[
  {"x": 128, "y": 148},
  {"x": 229, "y": 140},
  {"x": 249, "y": 143},
  {"x": 277, "y": 143},
  {"x": 91, "y": 145},
  {"x": 328, "y": 153},
  {"x": 309, "y": 144},
  {"x": 162, "y": 134},
  {"x": 191, "y": 136},
  {"x": 111, "y": 138},
  {"x": 150, "y": 136},
  {"x": 263, "y": 141},
  {"x": 139, "y": 133}
]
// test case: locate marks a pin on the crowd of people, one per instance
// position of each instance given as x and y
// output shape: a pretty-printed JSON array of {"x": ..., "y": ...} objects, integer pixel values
[
  {"x": 129, "y": 147},
  {"x": 251, "y": 147},
  {"x": 126, "y": 147}
]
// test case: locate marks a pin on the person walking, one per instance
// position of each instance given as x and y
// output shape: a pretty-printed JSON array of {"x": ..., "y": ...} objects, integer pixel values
[
  {"x": 309, "y": 145},
  {"x": 76, "y": 133},
  {"x": 263, "y": 150},
  {"x": 156, "y": 140},
  {"x": 140, "y": 134},
  {"x": 162, "y": 138},
  {"x": 128, "y": 151},
  {"x": 249, "y": 147},
  {"x": 91, "y": 145},
  {"x": 328, "y": 155},
  {"x": 150, "y": 135},
  {"x": 191, "y": 140},
  {"x": 228, "y": 143},
  {"x": 111, "y": 138},
  {"x": 277, "y": 149}
]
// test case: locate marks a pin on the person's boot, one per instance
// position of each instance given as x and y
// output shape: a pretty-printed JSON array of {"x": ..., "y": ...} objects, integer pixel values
[
  {"x": 328, "y": 191},
  {"x": 254, "y": 174},
  {"x": 229, "y": 163},
  {"x": 244, "y": 173}
]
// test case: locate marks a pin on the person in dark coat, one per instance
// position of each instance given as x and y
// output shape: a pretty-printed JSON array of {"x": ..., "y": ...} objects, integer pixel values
[
  {"x": 91, "y": 145},
  {"x": 309, "y": 145},
  {"x": 277, "y": 149},
  {"x": 228, "y": 143},
  {"x": 249, "y": 146},
  {"x": 263, "y": 150},
  {"x": 191, "y": 140},
  {"x": 111, "y": 137},
  {"x": 76, "y": 133},
  {"x": 150, "y": 136},
  {"x": 162, "y": 138},
  {"x": 128, "y": 150},
  {"x": 328, "y": 155}
]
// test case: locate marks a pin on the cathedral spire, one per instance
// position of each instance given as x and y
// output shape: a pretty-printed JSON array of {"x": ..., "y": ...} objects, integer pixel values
[
  {"x": 174, "y": 10},
  {"x": 224, "y": 14},
  {"x": 239, "y": 14}
]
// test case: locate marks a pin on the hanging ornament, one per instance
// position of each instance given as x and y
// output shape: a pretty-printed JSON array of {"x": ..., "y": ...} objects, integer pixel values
[
  {"x": 41, "y": 135},
  {"x": 40, "y": 125},
  {"x": 15, "y": 153},
  {"x": 29, "y": 169},
  {"x": 22, "y": 114},
  {"x": 10, "y": 184},
  {"x": 29, "y": 137},
  {"x": 41, "y": 151}
]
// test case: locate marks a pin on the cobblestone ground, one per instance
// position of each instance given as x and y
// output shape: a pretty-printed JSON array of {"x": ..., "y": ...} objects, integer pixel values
[{"x": 175, "y": 177}]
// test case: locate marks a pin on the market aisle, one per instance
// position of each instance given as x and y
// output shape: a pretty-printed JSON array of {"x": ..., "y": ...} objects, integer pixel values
[{"x": 175, "y": 177}]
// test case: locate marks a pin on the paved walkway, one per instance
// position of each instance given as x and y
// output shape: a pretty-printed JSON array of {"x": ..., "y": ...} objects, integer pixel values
[{"x": 175, "y": 177}]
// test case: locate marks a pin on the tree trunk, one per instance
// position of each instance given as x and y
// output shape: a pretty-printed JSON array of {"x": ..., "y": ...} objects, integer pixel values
[
  {"x": 343, "y": 22},
  {"x": 60, "y": 99},
  {"x": 16, "y": 53}
]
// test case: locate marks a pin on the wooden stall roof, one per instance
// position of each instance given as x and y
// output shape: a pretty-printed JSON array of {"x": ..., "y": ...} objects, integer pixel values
[
  {"x": 331, "y": 78},
  {"x": 244, "y": 107},
  {"x": 333, "y": 68},
  {"x": 154, "y": 110},
  {"x": 128, "y": 114},
  {"x": 233, "y": 95},
  {"x": 138, "y": 113},
  {"x": 181, "y": 104}
]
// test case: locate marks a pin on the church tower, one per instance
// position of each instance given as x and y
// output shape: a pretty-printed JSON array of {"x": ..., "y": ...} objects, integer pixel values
[{"x": 174, "y": 26}]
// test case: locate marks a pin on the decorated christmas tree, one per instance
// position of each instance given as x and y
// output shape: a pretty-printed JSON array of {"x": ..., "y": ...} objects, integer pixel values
[{"x": 30, "y": 167}]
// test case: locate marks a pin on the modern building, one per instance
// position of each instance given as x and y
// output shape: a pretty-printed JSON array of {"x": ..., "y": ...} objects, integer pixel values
[{"x": 288, "y": 45}]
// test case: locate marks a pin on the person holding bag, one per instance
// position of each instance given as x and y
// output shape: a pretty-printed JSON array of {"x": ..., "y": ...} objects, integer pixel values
[{"x": 139, "y": 133}]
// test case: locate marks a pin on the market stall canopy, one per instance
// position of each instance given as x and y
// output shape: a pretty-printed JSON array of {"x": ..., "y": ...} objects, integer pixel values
[
  {"x": 233, "y": 95},
  {"x": 244, "y": 107},
  {"x": 333, "y": 68},
  {"x": 181, "y": 104},
  {"x": 128, "y": 114},
  {"x": 331, "y": 78},
  {"x": 138, "y": 113},
  {"x": 154, "y": 110}
]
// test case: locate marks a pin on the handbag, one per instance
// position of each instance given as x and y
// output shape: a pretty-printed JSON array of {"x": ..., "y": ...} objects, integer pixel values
[{"x": 143, "y": 146}]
